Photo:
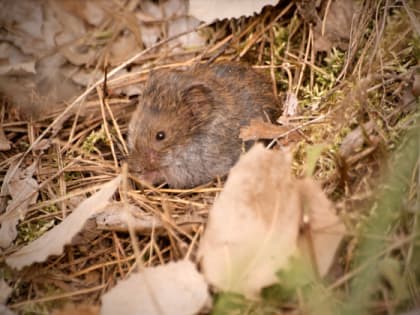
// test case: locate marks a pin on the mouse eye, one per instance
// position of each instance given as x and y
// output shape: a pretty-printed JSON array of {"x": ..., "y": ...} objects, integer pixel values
[{"x": 160, "y": 135}]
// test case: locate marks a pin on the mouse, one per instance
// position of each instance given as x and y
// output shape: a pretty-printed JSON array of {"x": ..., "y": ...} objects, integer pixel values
[{"x": 185, "y": 128}]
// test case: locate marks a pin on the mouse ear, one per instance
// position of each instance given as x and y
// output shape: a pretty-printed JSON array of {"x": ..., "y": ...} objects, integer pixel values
[{"x": 198, "y": 98}]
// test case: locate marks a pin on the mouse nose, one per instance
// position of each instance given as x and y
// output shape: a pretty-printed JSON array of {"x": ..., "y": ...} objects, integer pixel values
[
  {"x": 153, "y": 155},
  {"x": 151, "y": 158}
]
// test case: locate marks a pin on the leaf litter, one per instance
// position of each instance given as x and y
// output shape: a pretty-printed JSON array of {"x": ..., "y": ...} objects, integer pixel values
[
  {"x": 53, "y": 241},
  {"x": 254, "y": 224},
  {"x": 174, "y": 288},
  {"x": 23, "y": 191}
]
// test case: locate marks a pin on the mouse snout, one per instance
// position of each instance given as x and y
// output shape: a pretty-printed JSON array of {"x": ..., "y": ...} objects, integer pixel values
[
  {"x": 150, "y": 159},
  {"x": 144, "y": 160}
]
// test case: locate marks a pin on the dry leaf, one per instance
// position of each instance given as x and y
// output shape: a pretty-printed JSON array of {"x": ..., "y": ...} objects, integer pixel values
[
  {"x": 258, "y": 129},
  {"x": 184, "y": 24},
  {"x": 176, "y": 11},
  {"x": 5, "y": 291},
  {"x": 91, "y": 11},
  {"x": 123, "y": 48},
  {"x": 355, "y": 139},
  {"x": 114, "y": 218},
  {"x": 5, "y": 311},
  {"x": 53, "y": 241},
  {"x": 338, "y": 24},
  {"x": 326, "y": 229},
  {"x": 4, "y": 142},
  {"x": 175, "y": 288},
  {"x": 20, "y": 68},
  {"x": 38, "y": 28},
  {"x": 23, "y": 190},
  {"x": 290, "y": 105},
  {"x": 71, "y": 309},
  {"x": 253, "y": 225},
  {"x": 209, "y": 11},
  {"x": 416, "y": 85}
]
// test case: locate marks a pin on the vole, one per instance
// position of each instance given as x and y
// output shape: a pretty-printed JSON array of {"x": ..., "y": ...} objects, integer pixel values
[{"x": 185, "y": 129}]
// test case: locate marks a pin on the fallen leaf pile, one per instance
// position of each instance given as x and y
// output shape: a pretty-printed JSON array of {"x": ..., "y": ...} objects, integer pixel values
[
  {"x": 254, "y": 230},
  {"x": 53, "y": 241},
  {"x": 49, "y": 50}
]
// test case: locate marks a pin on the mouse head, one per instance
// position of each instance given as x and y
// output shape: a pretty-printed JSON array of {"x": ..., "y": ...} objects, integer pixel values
[{"x": 173, "y": 108}]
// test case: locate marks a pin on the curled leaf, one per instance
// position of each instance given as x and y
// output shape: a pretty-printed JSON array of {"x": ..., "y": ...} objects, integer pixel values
[
  {"x": 175, "y": 288},
  {"x": 253, "y": 225},
  {"x": 53, "y": 241},
  {"x": 23, "y": 190}
]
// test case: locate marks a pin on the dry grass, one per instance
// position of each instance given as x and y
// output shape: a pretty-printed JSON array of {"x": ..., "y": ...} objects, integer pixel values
[{"x": 337, "y": 91}]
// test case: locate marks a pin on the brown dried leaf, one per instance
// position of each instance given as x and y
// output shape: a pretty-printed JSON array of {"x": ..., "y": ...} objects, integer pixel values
[
  {"x": 5, "y": 291},
  {"x": 4, "y": 142},
  {"x": 23, "y": 190},
  {"x": 71, "y": 309},
  {"x": 38, "y": 28},
  {"x": 175, "y": 288},
  {"x": 258, "y": 129},
  {"x": 123, "y": 48},
  {"x": 326, "y": 228},
  {"x": 53, "y": 241},
  {"x": 253, "y": 225},
  {"x": 114, "y": 218},
  {"x": 20, "y": 68},
  {"x": 209, "y": 11},
  {"x": 338, "y": 25},
  {"x": 355, "y": 139},
  {"x": 5, "y": 311},
  {"x": 91, "y": 11},
  {"x": 416, "y": 85}
]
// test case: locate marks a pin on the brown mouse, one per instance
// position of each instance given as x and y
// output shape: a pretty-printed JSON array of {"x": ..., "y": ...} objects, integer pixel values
[{"x": 185, "y": 130}]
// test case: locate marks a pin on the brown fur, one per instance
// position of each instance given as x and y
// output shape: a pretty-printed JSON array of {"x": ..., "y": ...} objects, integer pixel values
[{"x": 200, "y": 110}]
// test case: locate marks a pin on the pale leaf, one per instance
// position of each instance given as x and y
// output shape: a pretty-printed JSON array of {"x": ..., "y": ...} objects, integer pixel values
[
  {"x": 4, "y": 142},
  {"x": 291, "y": 105},
  {"x": 356, "y": 138},
  {"x": 337, "y": 27},
  {"x": 53, "y": 241},
  {"x": 209, "y": 11},
  {"x": 253, "y": 225},
  {"x": 327, "y": 230},
  {"x": 5, "y": 291},
  {"x": 175, "y": 288},
  {"x": 23, "y": 190},
  {"x": 5, "y": 311},
  {"x": 114, "y": 218},
  {"x": 20, "y": 68}
]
